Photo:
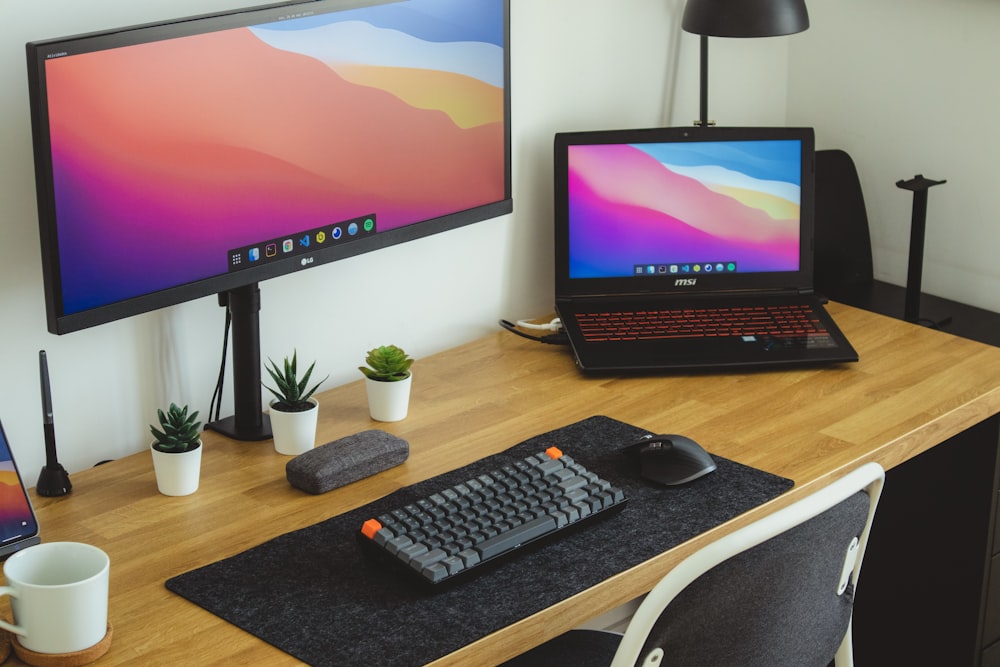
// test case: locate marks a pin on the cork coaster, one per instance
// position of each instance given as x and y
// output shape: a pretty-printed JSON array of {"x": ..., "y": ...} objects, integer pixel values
[
  {"x": 4, "y": 645},
  {"x": 74, "y": 659}
]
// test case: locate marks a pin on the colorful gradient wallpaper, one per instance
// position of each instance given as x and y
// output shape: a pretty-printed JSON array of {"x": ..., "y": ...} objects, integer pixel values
[
  {"x": 170, "y": 153},
  {"x": 15, "y": 514},
  {"x": 688, "y": 202}
]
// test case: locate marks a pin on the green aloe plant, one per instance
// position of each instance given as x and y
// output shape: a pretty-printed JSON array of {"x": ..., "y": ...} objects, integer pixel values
[
  {"x": 178, "y": 432},
  {"x": 291, "y": 393},
  {"x": 387, "y": 363}
]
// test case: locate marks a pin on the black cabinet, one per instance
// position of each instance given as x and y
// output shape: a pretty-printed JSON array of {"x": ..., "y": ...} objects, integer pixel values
[
  {"x": 991, "y": 600},
  {"x": 930, "y": 584},
  {"x": 921, "y": 590}
]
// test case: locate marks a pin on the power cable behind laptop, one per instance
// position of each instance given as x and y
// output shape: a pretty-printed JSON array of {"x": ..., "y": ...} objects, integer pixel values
[{"x": 557, "y": 338}]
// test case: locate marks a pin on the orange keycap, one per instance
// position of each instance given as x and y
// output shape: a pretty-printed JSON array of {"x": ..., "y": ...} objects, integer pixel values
[
  {"x": 553, "y": 452},
  {"x": 370, "y": 527}
]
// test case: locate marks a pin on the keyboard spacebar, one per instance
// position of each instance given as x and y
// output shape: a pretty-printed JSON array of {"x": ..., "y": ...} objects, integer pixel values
[{"x": 516, "y": 536}]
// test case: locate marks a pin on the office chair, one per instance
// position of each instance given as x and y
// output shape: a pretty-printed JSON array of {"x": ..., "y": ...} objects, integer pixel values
[
  {"x": 778, "y": 592},
  {"x": 843, "y": 249}
]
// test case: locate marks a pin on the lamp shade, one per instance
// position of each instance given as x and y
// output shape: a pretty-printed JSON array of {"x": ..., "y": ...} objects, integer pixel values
[{"x": 745, "y": 18}]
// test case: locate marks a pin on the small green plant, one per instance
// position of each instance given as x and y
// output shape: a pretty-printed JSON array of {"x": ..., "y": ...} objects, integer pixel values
[
  {"x": 387, "y": 363},
  {"x": 291, "y": 392},
  {"x": 178, "y": 432}
]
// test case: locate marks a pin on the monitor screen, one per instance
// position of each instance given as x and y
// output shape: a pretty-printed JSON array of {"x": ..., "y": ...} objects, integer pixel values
[
  {"x": 182, "y": 159},
  {"x": 693, "y": 207},
  {"x": 636, "y": 210},
  {"x": 202, "y": 155}
]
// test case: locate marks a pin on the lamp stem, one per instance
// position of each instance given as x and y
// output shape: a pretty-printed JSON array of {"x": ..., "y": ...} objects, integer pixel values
[{"x": 703, "y": 118}]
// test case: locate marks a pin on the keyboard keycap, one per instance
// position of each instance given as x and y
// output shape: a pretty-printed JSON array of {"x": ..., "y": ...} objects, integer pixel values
[{"x": 516, "y": 536}]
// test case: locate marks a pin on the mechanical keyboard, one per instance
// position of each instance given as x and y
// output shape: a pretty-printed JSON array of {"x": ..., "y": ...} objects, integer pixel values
[
  {"x": 776, "y": 321},
  {"x": 449, "y": 535}
]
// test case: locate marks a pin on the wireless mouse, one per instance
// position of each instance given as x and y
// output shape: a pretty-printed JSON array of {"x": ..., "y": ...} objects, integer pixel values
[{"x": 671, "y": 459}]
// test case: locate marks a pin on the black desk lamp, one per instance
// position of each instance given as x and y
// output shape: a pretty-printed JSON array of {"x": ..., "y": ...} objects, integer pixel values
[{"x": 739, "y": 18}]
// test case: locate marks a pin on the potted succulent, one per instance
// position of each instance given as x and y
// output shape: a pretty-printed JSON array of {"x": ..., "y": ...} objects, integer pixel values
[
  {"x": 176, "y": 451},
  {"x": 294, "y": 412},
  {"x": 387, "y": 382}
]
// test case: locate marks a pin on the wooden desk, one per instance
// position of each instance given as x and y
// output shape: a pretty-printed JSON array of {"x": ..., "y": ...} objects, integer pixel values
[{"x": 912, "y": 389}]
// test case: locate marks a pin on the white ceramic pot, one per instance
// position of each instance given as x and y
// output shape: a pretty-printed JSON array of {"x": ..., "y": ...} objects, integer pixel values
[
  {"x": 388, "y": 401},
  {"x": 294, "y": 432},
  {"x": 177, "y": 474}
]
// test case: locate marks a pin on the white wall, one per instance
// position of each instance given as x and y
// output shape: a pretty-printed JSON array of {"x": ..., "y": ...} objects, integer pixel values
[
  {"x": 911, "y": 87},
  {"x": 577, "y": 64}
]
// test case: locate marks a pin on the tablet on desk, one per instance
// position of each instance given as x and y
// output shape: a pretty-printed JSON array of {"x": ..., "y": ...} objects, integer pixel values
[{"x": 18, "y": 525}]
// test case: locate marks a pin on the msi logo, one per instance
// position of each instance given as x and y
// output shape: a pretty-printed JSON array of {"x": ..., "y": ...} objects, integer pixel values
[{"x": 685, "y": 282}]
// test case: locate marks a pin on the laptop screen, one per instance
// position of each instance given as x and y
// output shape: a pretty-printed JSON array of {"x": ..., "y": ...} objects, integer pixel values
[
  {"x": 18, "y": 526},
  {"x": 679, "y": 208}
]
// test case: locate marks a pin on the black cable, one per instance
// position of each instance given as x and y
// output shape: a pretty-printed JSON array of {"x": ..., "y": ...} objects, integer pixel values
[
  {"x": 549, "y": 339},
  {"x": 216, "y": 402}
]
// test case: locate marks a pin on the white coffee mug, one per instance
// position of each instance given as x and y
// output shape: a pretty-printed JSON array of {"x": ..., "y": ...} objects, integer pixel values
[{"x": 59, "y": 595}]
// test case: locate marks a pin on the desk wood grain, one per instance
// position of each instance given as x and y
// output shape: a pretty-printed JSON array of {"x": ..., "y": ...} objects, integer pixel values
[{"x": 912, "y": 389}]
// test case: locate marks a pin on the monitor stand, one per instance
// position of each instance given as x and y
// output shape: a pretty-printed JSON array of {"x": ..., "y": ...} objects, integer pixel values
[{"x": 249, "y": 422}]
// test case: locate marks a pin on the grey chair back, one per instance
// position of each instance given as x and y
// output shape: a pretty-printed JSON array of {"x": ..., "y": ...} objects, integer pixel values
[{"x": 774, "y": 605}]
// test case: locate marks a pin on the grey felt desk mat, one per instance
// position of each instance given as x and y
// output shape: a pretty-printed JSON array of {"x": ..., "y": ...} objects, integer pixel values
[{"x": 312, "y": 594}]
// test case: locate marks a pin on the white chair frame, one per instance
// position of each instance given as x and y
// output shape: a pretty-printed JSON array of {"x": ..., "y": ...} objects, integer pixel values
[{"x": 870, "y": 477}]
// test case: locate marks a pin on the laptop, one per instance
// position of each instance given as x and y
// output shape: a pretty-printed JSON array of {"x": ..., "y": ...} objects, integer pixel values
[
  {"x": 689, "y": 248},
  {"x": 18, "y": 526}
]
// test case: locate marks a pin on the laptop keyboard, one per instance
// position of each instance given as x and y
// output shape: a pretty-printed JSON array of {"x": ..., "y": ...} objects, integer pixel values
[{"x": 795, "y": 321}]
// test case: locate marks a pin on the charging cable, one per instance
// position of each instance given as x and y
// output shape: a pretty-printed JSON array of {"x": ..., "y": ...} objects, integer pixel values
[{"x": 556, "y": 338}]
